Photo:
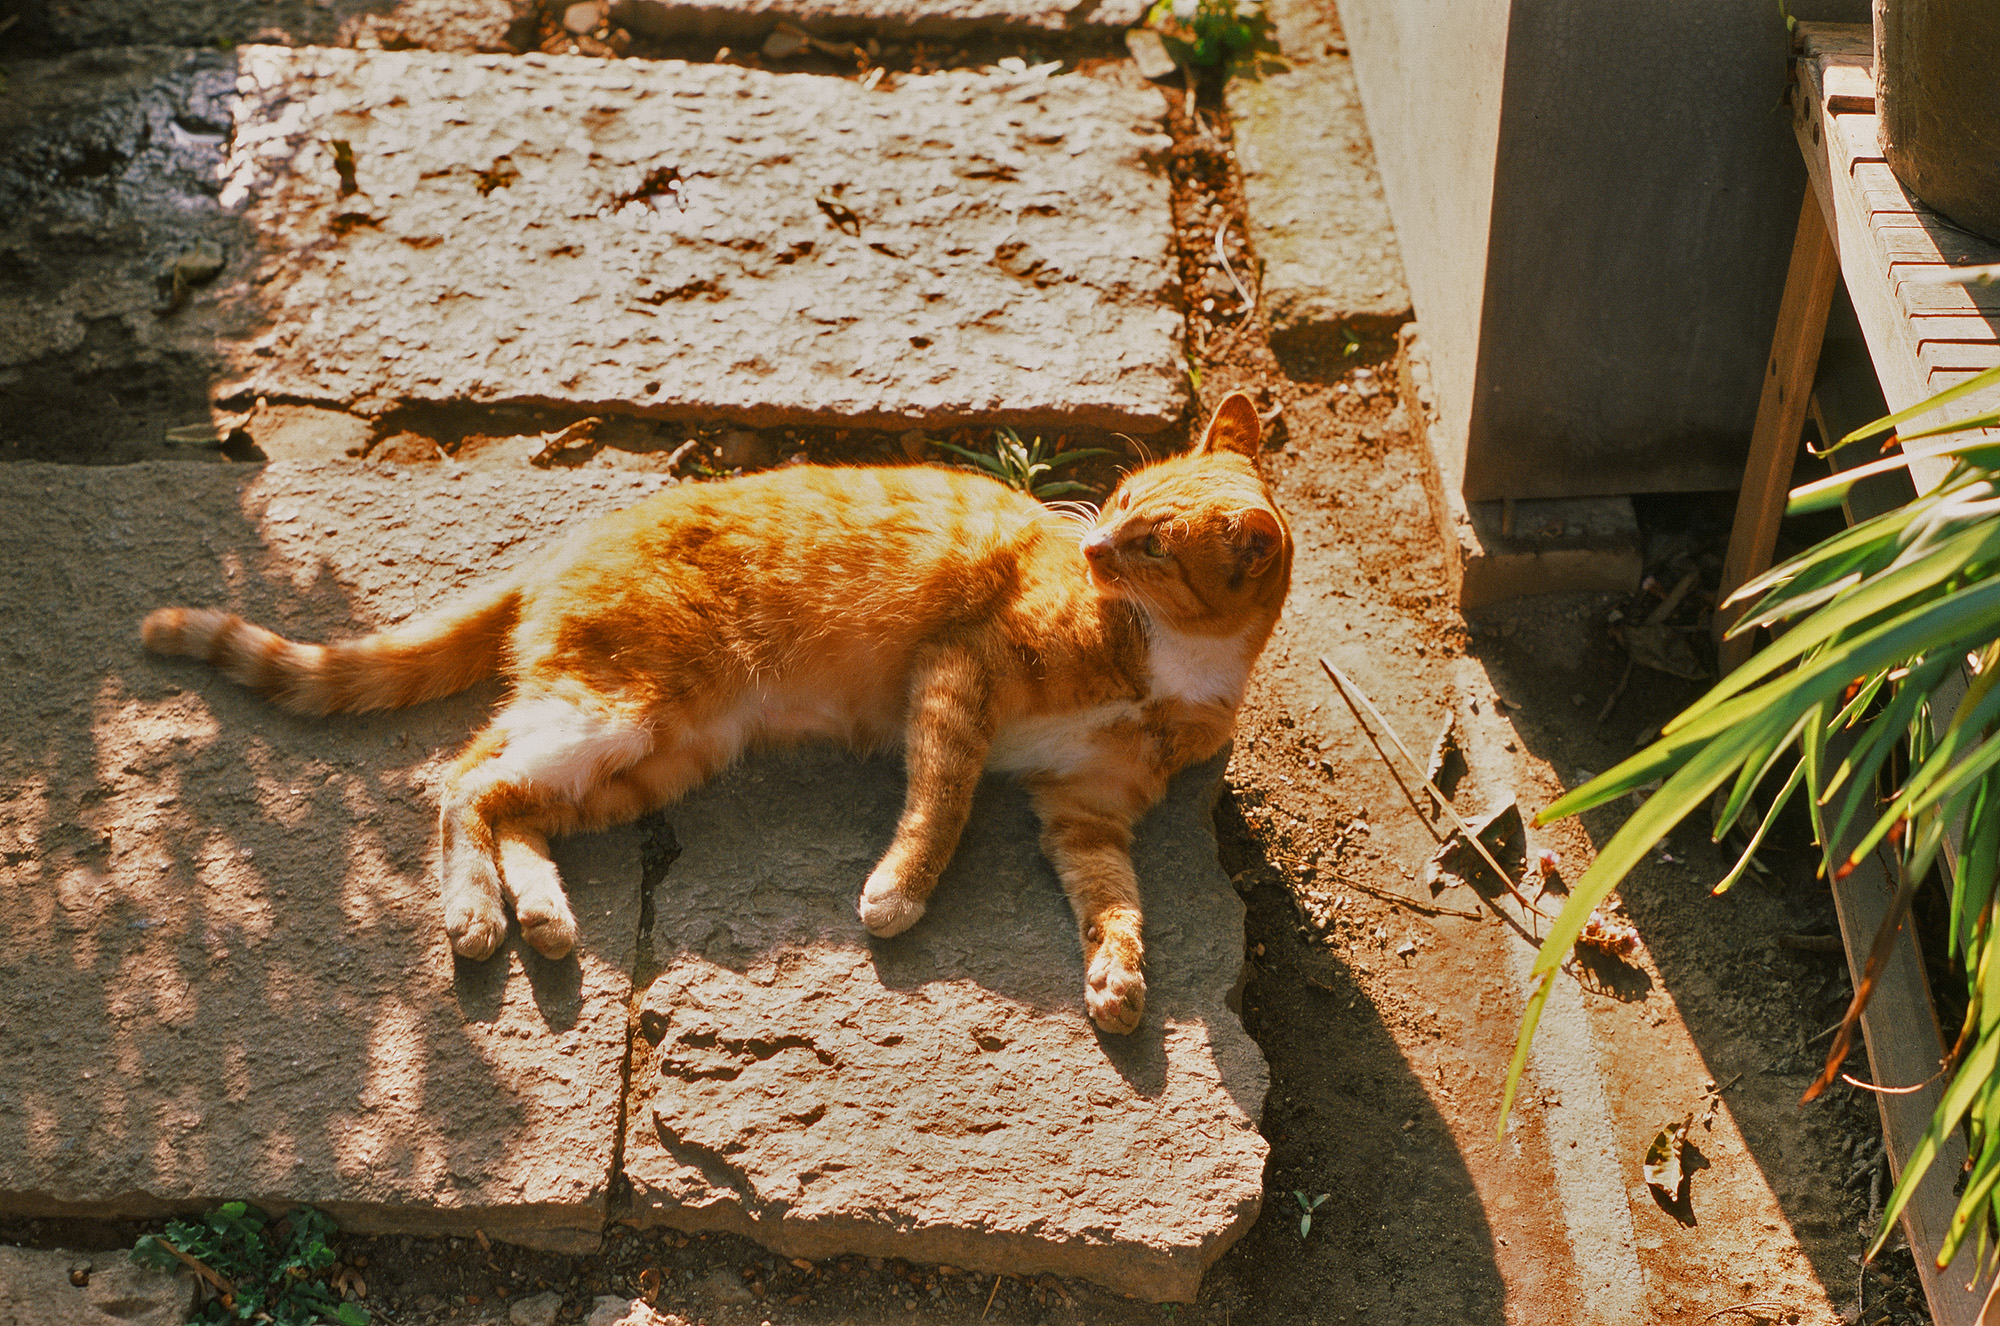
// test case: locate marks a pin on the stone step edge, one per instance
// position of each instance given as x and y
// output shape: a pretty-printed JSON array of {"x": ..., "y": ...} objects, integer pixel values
[{"x": 1100, "y": 30}]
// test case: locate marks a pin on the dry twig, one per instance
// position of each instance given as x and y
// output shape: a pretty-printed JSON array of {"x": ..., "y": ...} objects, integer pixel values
[
  {"x": 221, "y": 1283},
  {"x": 1344, "y": 684},
  {"x": 1414, "y": 904}
]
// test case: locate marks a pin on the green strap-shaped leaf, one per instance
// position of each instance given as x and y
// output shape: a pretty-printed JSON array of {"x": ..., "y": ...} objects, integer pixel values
[
  {"x": 1878, "y": 595},
  {"x": 1757, "y": 839},
  {"x": 1978, "y": 1066},
  {"x": 1946, "y": 397}
]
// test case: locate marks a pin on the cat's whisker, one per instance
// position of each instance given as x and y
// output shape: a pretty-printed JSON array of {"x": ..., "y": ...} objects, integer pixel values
[
  {"x": 1076, "y": 512},
  {"x": 1145, "y": 452}
]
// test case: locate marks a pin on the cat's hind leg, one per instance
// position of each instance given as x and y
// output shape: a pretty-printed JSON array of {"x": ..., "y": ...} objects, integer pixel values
[
  {"x": 521, "y": 777},
  {"x": 946, "y": 738},
  {"x": 1087, "y": 836}
]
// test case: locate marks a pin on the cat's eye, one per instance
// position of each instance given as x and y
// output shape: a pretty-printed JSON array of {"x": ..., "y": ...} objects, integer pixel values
[
  {"x": 1154, "y": 548},
  {"x": 1125, "y": 500}
]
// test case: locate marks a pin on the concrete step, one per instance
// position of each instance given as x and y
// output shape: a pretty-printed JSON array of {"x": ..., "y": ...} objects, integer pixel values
[
  {"x": 939, "y": 1096},
  {"x": 223, "y": 974},
  {"x": 49, "y": 27},
  {"x": 646, "y": 27},
  {"x": 645, "y": 238},
  {"x": 1317, "y": 216}
]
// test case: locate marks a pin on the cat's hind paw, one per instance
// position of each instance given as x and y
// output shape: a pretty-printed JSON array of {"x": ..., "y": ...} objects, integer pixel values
[
  {"x": 551, "y": 933},
  {"x": 886, "y": 910},
  {"x": 1114, "y": 993},
  {"x": 475, "y": 926}
]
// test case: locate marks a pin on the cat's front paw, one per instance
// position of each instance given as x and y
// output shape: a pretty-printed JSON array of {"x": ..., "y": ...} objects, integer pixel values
[
  {"x": 1114, "y": 992},
  {"x": 475, "y": 926},
  {"x": 885, "y": 909}
]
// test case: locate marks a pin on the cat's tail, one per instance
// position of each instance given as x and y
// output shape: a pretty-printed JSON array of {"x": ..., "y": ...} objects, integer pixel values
[{"x": 436, "y": 655}]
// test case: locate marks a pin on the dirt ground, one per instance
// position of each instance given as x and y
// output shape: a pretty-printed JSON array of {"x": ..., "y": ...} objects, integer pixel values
[{"x": 1387, "y": 1024}]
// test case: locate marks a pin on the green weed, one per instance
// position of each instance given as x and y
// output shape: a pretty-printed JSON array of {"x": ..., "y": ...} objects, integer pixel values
[
  {"x": 1202, "y": 34},
  {"x": 256, "y": 1272},
  {"x": 1022, "y": 465}
]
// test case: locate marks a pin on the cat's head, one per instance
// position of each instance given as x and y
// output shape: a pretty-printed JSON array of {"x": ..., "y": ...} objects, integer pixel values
[{"x": 1196, "y": 540}]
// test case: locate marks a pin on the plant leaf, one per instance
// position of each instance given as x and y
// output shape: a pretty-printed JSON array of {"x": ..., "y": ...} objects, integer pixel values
[{"x": 1946, "y": 397}]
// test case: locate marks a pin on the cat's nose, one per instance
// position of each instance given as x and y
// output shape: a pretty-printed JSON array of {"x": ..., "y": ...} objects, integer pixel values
[{"x": 1097, "y": 545}]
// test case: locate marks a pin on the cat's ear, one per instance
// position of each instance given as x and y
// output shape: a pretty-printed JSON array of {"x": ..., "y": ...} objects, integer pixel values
[
  {"x": 1256, "y": 537},
  {"x": 1233, "y": 427}
]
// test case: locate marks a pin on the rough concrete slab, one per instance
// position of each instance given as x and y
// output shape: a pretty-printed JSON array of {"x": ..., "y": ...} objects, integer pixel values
[
  {"x": 751, "y": 20},
  {"x": 38, "y": 1287},
  {"x": 50, "y": 26},
  {"x": 1495, "y": 551},
  {"x": 971, "y": 247},
  {"x": 958, "y": 248},
  {"x": 109, "y": 169},
  {"x": 222, "y": 969},
  {"x": 1315, "y": 209},
  {"x": 940, "y": 1096}
]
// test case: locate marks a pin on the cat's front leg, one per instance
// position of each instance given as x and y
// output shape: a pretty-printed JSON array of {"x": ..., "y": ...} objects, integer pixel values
[
  {"x": 1087, "y": 834},
  {"x": 948, "y": 734}
]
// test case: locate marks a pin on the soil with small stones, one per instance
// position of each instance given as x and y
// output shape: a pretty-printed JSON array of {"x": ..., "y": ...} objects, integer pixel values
[{"x": 1378, "y": 1018}]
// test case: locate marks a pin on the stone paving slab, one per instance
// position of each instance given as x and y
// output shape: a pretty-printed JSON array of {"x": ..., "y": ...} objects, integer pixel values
[
  {"x": 751, "y": 20},
  {"x": 438, "y": 25},
  {"x": 222, "y": 969},
  {"x": 940, "y": 1096},
  {"x": 38, "y": 1287},
  {"x": 962, "y": 248},
  {"x": 109, "y": 164},
  {"x": 980, "y": 248},
  {"x": 1315, "y": 209}
]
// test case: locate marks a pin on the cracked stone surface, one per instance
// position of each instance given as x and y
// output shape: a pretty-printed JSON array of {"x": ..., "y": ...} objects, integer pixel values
[
  {"x": 744, "y": 20},
  {"x": 109, "y": 170},
  {"x": 1314, "y": 203},
  {"x": 939, "y": 1096},
  {"x": 222, "y": 971},
  {"x": 441, "y": 25},
  {"x": 36, "y": 1290},
  {"x": 959, "y": 248},
  {"x": 973, "y": 247}
]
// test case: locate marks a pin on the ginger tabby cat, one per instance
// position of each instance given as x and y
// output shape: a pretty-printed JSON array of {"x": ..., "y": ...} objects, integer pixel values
[{"x": 931, "y": 607}]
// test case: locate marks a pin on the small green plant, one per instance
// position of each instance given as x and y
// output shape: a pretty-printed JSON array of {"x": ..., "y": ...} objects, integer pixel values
[
  {"x": 1201, "y": 34},
  {"x": 255, "y": 1273},
  {"x": 1308, "y": 1206},
  {"x": 1021, "y": 465}
]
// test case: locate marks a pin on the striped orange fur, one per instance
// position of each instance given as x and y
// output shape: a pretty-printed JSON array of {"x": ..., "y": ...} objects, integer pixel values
[{"x": 930, "y": 609}]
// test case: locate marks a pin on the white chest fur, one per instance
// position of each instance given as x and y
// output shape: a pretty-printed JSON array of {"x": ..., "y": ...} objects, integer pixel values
[
  {"x": 1198, "y": 669},
  {"x": 1054, "y": 743}
]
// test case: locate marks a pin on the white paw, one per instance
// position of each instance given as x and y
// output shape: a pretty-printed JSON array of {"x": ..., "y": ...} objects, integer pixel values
[
  {"x": 885, "y": 909},
  {"x": 549, "y": 929},
  {"x": 475, "y": 925},
  {"x": 1114, "y": 993}
]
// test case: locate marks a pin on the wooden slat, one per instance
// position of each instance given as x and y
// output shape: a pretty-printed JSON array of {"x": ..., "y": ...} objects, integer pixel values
[
  {"x": 1912, "y": 357},
  {"x": 1923, "y": 239},
  {"x": 1920, "y": 300},
  {"x": 1844, "y": 196},
  {"x": 1838, "y": 42},
  {"x": 1781, "y": 414},
  {"x": 1856, "y": 137},
  {"x": 1905, "y": 1048},
  {"x": 1960, "y": 356},
  {"x": 1875, "y": 178},
  {"x": 1936, "y": 327},
  {"x": 1850, "y": 85}
]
